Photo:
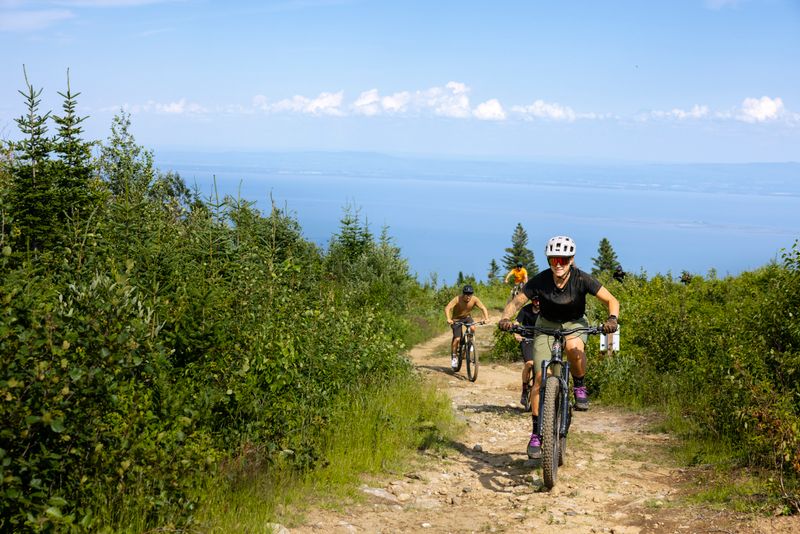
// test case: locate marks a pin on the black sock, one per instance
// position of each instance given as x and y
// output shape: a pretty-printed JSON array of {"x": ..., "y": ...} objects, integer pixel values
[
  {"x": 578, "y": 382},
  {"x": 535, "y": 420}
]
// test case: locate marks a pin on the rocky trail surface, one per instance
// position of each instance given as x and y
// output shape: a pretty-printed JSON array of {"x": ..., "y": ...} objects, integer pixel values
[{"x": 617, "y": 477}]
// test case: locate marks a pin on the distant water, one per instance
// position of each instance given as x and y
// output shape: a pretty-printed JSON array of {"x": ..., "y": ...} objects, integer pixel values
[{"x": 456, "y": 216}]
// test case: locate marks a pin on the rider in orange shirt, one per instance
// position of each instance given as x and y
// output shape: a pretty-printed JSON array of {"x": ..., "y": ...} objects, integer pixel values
[{"x": 520, "y": 275}]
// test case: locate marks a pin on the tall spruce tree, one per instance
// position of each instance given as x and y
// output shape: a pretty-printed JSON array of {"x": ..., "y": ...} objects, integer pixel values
[
  {"x": 73, "y": 169},
  {"x": 606, "y": 260},
  {"x": 31, "y": 195},
  {"x": 519, "y": 252}
]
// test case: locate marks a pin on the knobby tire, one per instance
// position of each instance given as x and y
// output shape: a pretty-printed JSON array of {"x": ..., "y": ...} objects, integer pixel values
[
  {"x": 551, "y": 421},
  {"x": 472, "y": 361}
]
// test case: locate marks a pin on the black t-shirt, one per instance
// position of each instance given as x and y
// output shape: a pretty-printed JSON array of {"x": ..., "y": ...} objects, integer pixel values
[
  {"x": 561, "y": 305},
  {"x": 526, "y": 315}
]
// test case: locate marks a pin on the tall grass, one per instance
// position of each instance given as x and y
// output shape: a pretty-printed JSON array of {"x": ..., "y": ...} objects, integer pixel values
[{"x": 375, "y": 429}]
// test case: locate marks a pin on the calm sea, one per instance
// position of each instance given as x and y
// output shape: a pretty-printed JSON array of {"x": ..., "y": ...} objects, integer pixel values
[{"x": 456, "y": 216}]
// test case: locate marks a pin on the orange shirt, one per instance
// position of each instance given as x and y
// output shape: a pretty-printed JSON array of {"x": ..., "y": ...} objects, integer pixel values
[{"x": 519, "y": 274}]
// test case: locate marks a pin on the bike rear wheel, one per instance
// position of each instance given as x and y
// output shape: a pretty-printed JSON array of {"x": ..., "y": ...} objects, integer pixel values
[
  {"x": 472, "y": 361},
  {"x": 551, "y": 422}
]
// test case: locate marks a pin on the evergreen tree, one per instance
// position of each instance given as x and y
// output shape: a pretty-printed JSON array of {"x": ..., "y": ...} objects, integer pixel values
[
  {"x": 494, "y": 271},
  {"x": 354, "y": 238},
  {"x": 519, "y": 252},
  {"x": 606, "y": 260},
  {"x": 31, "y": 197},
  {"x": 73, "y": 169}
]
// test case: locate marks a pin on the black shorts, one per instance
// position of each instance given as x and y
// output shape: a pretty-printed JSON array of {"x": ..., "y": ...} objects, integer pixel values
[
  {"x": 527, "y": 350},
  {"x": 458, "y": 327}
]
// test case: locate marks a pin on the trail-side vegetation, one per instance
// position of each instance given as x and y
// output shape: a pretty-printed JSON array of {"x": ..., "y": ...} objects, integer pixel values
[
  {"x": 720, "y": 357},
  {"x": 155, "y": 342}
]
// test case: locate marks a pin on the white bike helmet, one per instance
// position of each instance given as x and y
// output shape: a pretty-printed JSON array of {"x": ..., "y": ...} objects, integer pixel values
[{"x": 560, "y": 245}]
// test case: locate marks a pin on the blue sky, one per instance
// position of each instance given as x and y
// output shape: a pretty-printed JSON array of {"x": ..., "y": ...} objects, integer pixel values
[{"x": 648, "y": 80}]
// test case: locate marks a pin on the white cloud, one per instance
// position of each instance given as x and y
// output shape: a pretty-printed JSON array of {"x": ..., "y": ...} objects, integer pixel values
[
  {"x": 324, "y": 104},
  {"x": 179, "y": 107},
  {"x": 371, "y": 103},
  {"x": 697, "y": 112},
  {"x": 368, "y": 103},
  {"x": 21, "y": 21},
  {"x": 261, "y": 103},
  {"x": 450, "y": 101},
  {"x": 761, "y": 109},
  {"x": 396, "y": 103},
  {"x": 491, "y": 110},
  {"x": 545, "y": 110}
]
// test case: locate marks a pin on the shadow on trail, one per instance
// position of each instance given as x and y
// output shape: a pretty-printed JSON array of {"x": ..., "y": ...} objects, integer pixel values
[
  {"x": 501, "y": 473},
  {"x": 444, "y": 369},
  {"x": 491, "y": 408}
]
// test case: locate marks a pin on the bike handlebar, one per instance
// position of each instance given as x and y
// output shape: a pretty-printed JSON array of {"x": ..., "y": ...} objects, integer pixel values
[
  {"x": 530, "y": 331},
  {"x": 464, "y": 323}
]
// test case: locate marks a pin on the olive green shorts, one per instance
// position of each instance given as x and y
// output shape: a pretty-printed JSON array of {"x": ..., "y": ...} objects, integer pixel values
[{"x": 542, "y": 344}]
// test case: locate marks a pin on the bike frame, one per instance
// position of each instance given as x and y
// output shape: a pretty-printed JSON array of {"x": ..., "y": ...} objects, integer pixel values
[
  {"x": 467, "y": 331},
  {"x": 556, "y": 359}
]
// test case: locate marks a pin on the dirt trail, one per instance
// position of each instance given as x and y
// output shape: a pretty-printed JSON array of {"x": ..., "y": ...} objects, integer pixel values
[{"x": 617, "y": 477}]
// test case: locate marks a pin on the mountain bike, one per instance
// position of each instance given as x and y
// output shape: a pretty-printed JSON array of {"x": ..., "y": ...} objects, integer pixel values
[
  {"x": 466, "y": 349},
  {"x": 555, "y": 410}
]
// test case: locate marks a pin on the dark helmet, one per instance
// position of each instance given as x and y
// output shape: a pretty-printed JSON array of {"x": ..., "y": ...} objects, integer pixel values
[
  {"x": 519, "y": 265},
  {"x": 468, "y": 290}
]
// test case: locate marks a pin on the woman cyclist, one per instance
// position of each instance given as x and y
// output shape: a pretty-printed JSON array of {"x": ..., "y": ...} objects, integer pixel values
[{"x": 561, "y": 291}]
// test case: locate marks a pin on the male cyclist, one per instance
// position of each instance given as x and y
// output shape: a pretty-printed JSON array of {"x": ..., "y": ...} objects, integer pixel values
[
  {"x": 561, "y": 291},
  {"x": 520, "y": 275},
  {"x": 459, "y": 309}
]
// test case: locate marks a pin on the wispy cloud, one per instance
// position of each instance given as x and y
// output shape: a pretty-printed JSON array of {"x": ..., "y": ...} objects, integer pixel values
[
  {"x": 370, "y": 103},
  {"x": 25, "y": 21},
  {"x": 452, "y": 101},
  {"x": 546, "y": 110},
  {"x": 695, "y": 113},
  {"x": 324, "y": 104},
  {"x": 22, "y": 16},
  {"x": 178, "y": 107}
]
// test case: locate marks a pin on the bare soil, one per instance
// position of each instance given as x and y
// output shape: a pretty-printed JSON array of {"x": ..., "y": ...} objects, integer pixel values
[{"x": 618, "y": 475}]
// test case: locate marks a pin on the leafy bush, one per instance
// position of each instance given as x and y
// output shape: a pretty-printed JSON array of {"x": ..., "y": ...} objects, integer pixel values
[{"x": 723, "y": 356}]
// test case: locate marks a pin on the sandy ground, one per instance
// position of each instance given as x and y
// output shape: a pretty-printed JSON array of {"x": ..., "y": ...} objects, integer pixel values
[{"x": 617, "y": 477}]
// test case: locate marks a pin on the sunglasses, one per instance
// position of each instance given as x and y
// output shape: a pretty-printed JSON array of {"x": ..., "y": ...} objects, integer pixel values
[{"x": 559, "y": 260}]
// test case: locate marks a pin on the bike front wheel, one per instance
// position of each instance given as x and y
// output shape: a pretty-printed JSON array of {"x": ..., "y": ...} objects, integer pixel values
[
  {"x": 551, "y": 423},
  {"x": 472, "y": 361}
]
